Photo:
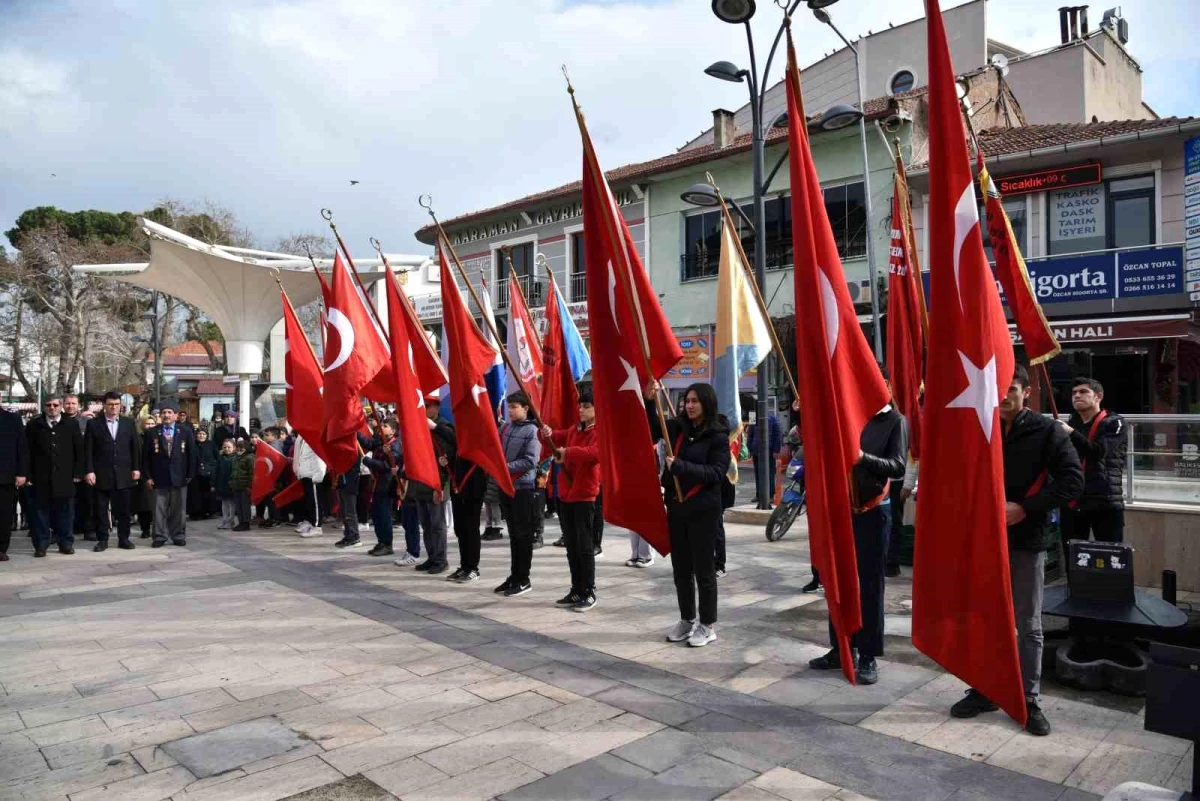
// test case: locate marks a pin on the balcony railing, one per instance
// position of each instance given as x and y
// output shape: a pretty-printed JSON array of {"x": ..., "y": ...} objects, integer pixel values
[
  {"x": 578, "y": 288},
  {"x": 535, "y": 293},
  {"x": 705, "y": 263}
]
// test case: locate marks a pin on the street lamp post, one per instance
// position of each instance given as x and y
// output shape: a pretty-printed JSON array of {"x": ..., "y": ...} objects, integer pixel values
[
  {"x": 848, "y": 116},
  {"x": 155, "y": 346}
]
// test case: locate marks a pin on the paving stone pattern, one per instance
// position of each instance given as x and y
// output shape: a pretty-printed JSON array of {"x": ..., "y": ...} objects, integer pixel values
[{"x": 264, "y": 666}]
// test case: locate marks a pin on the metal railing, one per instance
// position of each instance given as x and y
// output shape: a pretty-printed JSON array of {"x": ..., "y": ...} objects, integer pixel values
[
  {"x": 1162, "y": 459},
  {"x": 535, "y": 293},
  {"x": 578, "y": 288}
]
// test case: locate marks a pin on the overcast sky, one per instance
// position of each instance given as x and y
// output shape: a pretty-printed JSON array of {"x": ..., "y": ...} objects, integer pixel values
[{"x": 271, "y": 108}]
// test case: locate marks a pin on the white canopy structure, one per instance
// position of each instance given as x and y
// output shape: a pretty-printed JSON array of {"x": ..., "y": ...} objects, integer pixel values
[{"x": 235, "y": 287}]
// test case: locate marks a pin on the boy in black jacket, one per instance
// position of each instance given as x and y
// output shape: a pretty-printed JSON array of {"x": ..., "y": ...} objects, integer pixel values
[
  {"x": 1041, "y": 473},
  {"x": 1100, "y": 439}
]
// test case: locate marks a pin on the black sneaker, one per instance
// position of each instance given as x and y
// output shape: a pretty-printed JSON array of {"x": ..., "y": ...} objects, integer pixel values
[
  {"x": 598, "y": 552},
  {"x": 558, "y": 543},
  {"x": 504, "y": 587},
  {"x": 516, "y": 589},
  {"x": 468, "y": 577},
  {"x": 971, "y": 705},
  {"x": 537, "y": 542},
  {"x": 345, "y": 543},
  {"x": 570, "y": 599},
  {"x": 434, "y": 570},
  {"x": 831, "y": 661},
  {"x": 381, "y": 550},
  {"x": 585, "y": 603},
  {"x": 892, "y": 571},
  {"x": 868, "y": 671},
  {"x": 720, "y": 572},
  {"x": 812, "y": 586},
  {"x": 456, "y": 575},
  {"x": 426, "y": 565},
  {"x": 1037, "y": 725},
  {"x": 492, "y": 534}
]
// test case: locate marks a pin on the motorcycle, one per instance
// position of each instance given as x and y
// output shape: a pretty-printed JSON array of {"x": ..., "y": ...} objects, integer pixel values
[{"x": 792, "y": 503}]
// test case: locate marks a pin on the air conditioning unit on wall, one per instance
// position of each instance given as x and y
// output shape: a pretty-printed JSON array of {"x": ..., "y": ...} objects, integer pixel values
[{"x": 860, "y": 291}]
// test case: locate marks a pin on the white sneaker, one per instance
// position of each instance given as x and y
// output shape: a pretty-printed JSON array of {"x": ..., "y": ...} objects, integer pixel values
[
  {"x": 304, "y": 528},
  {"x": 702, "y": 635},
  {"x": 645, "y": 562},
  {"x": 313, "y": 531},
  {"x": 406, "y": 560},
  {"x": 682, "y": 630},
  {"x": 632, "y": 562},
  {"x": 364, "y": 528}
]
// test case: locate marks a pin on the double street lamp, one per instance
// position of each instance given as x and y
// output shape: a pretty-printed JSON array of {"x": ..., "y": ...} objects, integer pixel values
[{"x": 739, "y": 12}]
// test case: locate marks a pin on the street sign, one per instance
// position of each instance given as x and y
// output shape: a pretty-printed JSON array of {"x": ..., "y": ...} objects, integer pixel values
[{"x": 1191, "y": 212}]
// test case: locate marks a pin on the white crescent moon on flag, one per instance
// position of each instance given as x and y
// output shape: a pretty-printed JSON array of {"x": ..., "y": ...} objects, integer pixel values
[
  {"x": 612, "y": 296},
  {"x": 829, "y": 312},
  {"x": 263, "y": 460},
  {"x": 287, "y": 349},
  {"x": 345, "y": 333},
  {"x": 966, "y": 217}
]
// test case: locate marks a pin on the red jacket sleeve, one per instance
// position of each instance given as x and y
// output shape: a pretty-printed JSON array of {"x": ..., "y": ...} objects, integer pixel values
[
  {"x": 576, "y": 456},
  {"x": 559, "y": 438}
]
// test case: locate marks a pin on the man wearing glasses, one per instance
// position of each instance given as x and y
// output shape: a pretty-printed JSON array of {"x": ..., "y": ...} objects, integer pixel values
[
  {"x": 56, "y": 466},
  {"x": 113, "y": 461}
]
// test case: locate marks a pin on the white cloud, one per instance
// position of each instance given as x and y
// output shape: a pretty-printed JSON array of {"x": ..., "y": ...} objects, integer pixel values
[{"x": 272, "y": 108}]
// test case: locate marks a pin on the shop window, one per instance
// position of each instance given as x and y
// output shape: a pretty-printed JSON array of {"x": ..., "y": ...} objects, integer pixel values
[
  {"x": 1015, "y": 209},
  {"x": 1116, "y": 214},
  {"x": 578, "y": 269}
]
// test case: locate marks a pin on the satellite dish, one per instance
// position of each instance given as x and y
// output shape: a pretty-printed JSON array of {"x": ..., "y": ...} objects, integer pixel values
[{"x": 1000, "y": 62}]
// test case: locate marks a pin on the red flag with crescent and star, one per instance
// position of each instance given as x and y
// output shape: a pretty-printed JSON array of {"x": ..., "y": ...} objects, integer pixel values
[
  {"x": 269, "y": 465},
  {"x": 420, "y": 462},
  {"x": 841, "y": 386},
  {"x": 905, "y": 329},
  {"x": 354, "y": 353},
  {"x": 470, "y": 355},
  {"x": 303, "y": 382},
  {"x": 962, "y": 597},
  {"x": 622, "y": 305},
  {"x": 560, "y": 396}
]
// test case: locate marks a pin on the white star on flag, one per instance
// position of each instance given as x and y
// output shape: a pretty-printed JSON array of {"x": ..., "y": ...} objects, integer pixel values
[
  {"x": 631, "y": 379},
  {"x": 981, "y": 394},
  {"x": 476, "y": 391}
]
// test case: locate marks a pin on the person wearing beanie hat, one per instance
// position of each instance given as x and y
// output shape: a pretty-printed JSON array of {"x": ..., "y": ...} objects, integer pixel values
[
  {"x": 230, "y": 429},
  {"x": 576, "y": 451}
]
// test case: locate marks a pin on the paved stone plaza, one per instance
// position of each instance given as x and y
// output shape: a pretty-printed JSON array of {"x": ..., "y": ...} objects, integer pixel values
[{"x": 265, "y": 666}]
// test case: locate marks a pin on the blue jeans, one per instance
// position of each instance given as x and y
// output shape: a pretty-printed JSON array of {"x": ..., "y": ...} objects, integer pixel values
[
  {"x": 381, "y": 518},
  {"x": 55, "y": 515},
  {"x": 411, "y": 520}
]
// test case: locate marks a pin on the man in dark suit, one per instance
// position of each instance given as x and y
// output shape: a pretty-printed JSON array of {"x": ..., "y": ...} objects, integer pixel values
[
  {"x": 230, "y": 430},
  {"x": 13, "y": 461},
  {"x": 113, "y": 464},
  {"x": 55, "y": 467},
  {"x": 171, "y": 463}
]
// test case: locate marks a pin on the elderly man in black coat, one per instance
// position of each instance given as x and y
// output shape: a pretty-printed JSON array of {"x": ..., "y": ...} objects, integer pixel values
[
  {"x": 171, "y": 463},
  {"x": 14, "y": 461},
  {"x": 56, "y": 466},
  {"x": 113, "y": 464}
]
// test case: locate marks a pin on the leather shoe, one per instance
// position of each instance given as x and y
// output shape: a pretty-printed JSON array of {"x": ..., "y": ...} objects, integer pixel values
[
  {"x": 126, "y": 545},
  {"x": 3, "y": 556},
  {"x": 66, "y": 549},
  {"x": 180, "y": 542},
  {"x": 158, "y": 543},
  {"x": 100, "y": 546},
  {"x": 39, "y": 552},
  {"x": 830, "y": 661}
]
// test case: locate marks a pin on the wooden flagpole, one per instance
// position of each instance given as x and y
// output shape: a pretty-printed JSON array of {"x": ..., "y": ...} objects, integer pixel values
[
  {"x": 409, "y": 309},
  {"x": 627, "y": 287}
]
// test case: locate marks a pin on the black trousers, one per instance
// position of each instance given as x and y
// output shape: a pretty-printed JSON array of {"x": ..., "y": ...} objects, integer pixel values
[
  {"x": 366, "y": 487},
  {"x": 576, "y": 520},
  {"x": 1106, "y": 525},
  {"x": 84, "y": 499},
  {"x": 8, "y": 511},
  {"x": 693, "y": 545},
  {"x": 467, "y": 512},
  {"x": 895, "y": 494},
  {"x": 118, "y": 500},
  {"x": 598, "y": 520},
  {"x": 719, "y": 551},
  {"x": 521, "y": 513},
  {"x": 871, "y": 531}
]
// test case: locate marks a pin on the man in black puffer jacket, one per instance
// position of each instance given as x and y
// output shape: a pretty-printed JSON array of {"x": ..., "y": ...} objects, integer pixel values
[
  {"x": 881, "y": 460},
  {"x": 1100, "y": 439},
  {"x": 1041, "y": 473}
]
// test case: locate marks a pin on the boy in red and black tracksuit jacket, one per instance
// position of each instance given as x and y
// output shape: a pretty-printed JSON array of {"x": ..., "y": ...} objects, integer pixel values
[
  {"x": 1101, "y": 440},
  {"x": 578, "y": 457}
]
